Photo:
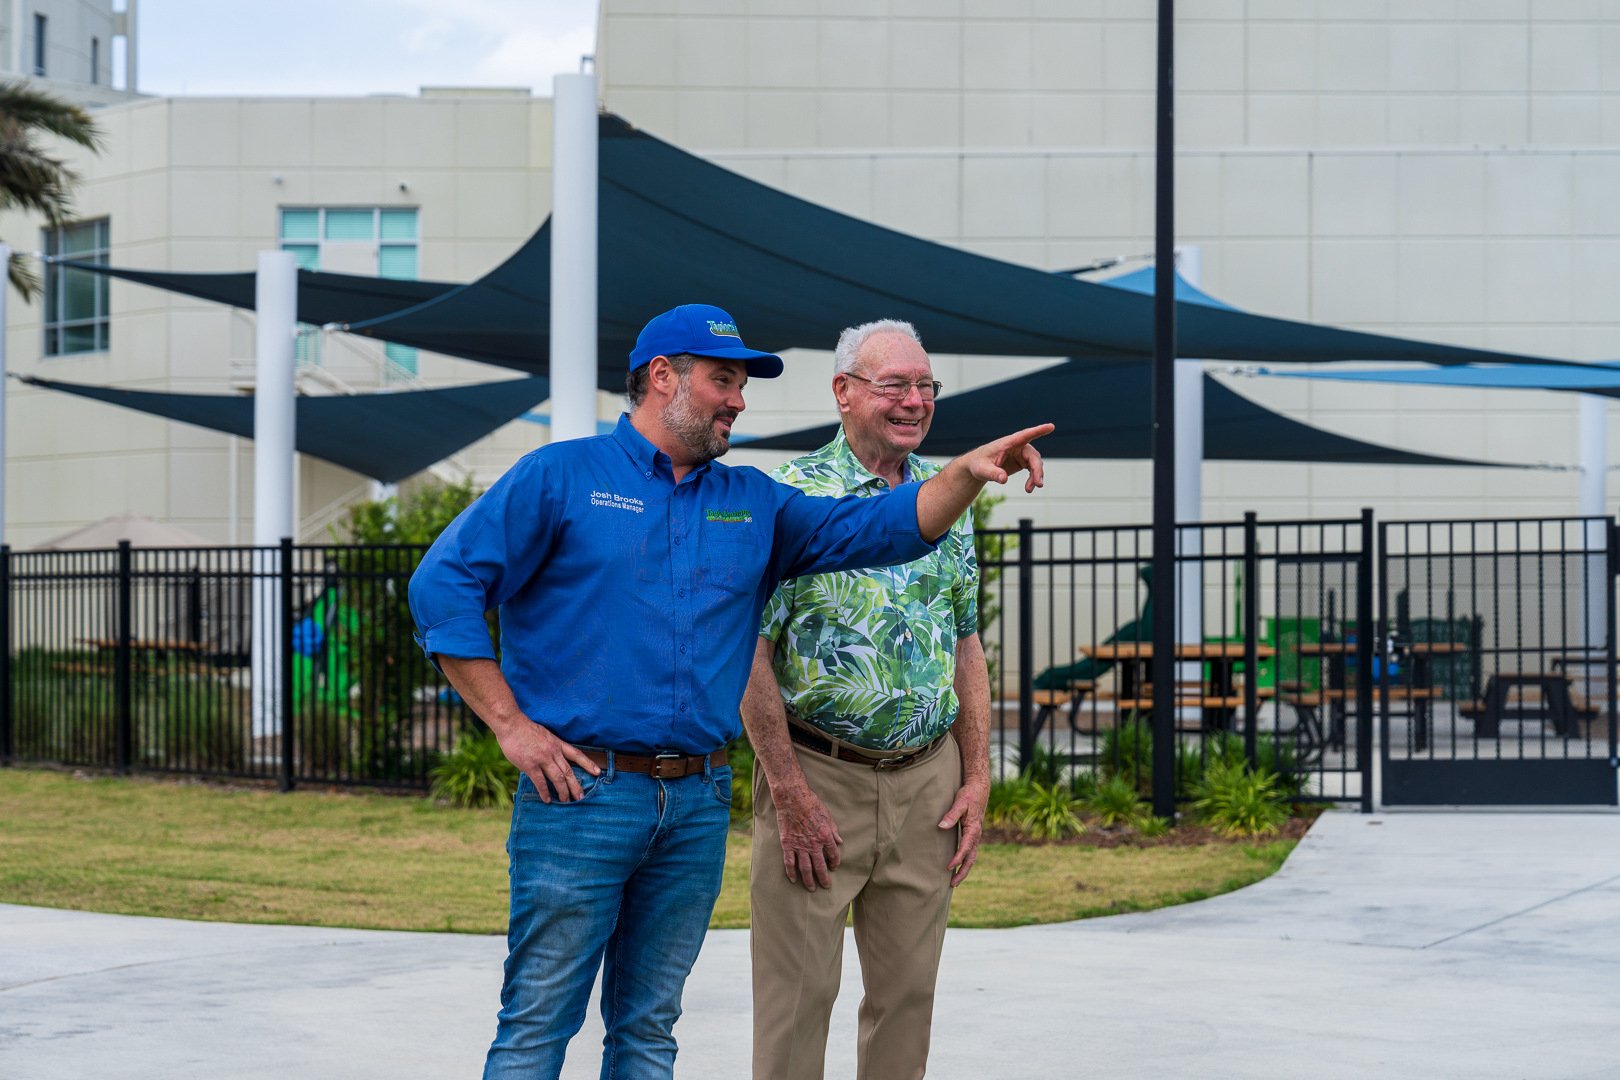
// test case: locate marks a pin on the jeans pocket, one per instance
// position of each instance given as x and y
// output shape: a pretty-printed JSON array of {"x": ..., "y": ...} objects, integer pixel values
[
  {"x": 719, "y": 784},
  {"x": 588, "y": 786}
]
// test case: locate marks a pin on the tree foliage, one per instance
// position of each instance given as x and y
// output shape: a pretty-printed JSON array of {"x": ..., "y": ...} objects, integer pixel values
[
  {"x": 416, "y": 518},
  {"x": 30, "y": 178}
]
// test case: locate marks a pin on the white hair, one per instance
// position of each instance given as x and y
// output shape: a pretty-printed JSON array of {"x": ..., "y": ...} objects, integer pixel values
[{"x": 848, "y": 350}]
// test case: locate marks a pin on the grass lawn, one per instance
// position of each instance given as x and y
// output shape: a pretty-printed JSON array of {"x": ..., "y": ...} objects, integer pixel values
[{"x": 195, "y": 851}]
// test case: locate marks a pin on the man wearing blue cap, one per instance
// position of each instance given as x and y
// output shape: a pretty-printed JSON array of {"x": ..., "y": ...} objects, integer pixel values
[{"x": 630, "y": 571}]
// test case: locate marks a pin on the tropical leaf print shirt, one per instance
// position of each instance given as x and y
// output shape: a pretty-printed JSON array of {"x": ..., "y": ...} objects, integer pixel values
[{"x": 869, "y": 656}]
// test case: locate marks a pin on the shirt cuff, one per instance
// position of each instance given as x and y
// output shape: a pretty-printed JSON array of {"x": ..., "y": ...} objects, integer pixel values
[
  {"x": 901, "y": 505},
  {"x": 465, "y": 637}
]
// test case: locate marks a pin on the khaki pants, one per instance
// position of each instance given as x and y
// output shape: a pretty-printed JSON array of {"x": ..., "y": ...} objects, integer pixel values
[{"x": 894, "y": 875}]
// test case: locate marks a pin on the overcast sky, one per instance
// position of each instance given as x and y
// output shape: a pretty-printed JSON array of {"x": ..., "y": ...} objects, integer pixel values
[{"x": 358, "y": 46}]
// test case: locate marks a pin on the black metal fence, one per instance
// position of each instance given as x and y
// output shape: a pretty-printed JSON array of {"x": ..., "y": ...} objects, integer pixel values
[
  {"x": 1493, "y": 644},
  {"x": 1266, "y": 610},
  {"x": 294, "y": 664},
  {"x": 1505, "y": 644}
]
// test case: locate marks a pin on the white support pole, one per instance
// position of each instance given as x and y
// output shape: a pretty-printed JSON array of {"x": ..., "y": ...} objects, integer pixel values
[
  {"x": 5, "y": 294},
  {"x": 1594, "y": 437},
  {"x": 274, "y": 453},
  {"x": 131, "y": 36},
  {"x": 1190, "y": 481},
  {"x": 573, "y": 257}
]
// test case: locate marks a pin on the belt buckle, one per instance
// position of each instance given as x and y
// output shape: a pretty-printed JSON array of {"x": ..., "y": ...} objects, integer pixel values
[
  {"x": 658, "y": 766},
  {"x": 897, "y": 762}
]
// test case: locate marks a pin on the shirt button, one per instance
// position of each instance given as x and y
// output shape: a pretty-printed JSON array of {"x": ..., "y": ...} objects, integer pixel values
[
  {"x": 683, "y": 650},
  {"x": 681, "y": 592},
  {"x": 683, "y": 706},
  {"x": 648, "y": 474},
  {"x": 677, "y": 540}
]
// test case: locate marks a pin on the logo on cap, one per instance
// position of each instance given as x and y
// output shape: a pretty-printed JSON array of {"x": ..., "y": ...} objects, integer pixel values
[{"x": 724, "y": 329}]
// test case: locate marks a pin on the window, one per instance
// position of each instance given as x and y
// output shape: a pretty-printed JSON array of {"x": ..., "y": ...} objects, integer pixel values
[
  {"x": 95, "y": 61},
  {"x": 75, "y": 300},
  {"x": 329, "y": 238},
  {"x": 39, "y": 45}
]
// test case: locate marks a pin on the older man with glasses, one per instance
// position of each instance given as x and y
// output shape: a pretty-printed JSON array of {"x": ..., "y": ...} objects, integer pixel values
[{"x": 869, "y": 710}]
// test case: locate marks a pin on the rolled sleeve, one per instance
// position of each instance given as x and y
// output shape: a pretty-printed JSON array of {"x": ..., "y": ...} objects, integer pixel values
[{"x": 476, "y": 564}]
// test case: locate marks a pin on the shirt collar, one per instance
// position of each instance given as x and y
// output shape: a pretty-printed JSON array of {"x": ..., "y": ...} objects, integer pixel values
[
  {"x": 856, "y": 475},
  {"x": 647, "y": 457}
]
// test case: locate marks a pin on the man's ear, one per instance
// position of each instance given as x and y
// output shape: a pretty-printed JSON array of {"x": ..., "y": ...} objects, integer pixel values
[
  {"x": 661, "y": 373},
  {"x": 838, "y": 392}
]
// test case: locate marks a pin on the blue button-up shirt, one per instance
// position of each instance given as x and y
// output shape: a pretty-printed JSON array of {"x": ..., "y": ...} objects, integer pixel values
[{"x": 629, "y": 603}]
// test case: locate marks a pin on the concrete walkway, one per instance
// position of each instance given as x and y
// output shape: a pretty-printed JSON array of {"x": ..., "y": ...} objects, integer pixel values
[{"x": 1413, "y": 945}]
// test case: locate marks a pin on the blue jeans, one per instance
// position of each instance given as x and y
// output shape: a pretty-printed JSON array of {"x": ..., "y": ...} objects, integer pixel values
[{"x": 623, "y": 879}]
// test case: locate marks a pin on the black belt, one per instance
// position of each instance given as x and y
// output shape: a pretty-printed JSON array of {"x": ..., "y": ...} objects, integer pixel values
[
  {"x": 659, "y": 766},
  {"x": 811, "y": 741}
]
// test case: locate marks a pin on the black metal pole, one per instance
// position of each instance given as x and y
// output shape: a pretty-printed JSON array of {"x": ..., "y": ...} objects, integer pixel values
[
  {"x": 122, "y": 678},
  {"x": 284, "y": 652},
  {"x": 1364, "y": 618},
  {"x": 1610, "y": 665},
  {"x": 1026, "y": 642},
  {"x": 1164, "y": 429},
  {"x": 1251, "y": 638},
  {"x": 5, "y": 654}
]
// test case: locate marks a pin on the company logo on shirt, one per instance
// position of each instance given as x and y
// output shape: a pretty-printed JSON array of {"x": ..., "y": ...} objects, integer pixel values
[
  {"x": 723, "y": 329},
  {"x": 730, "y": 517},
  {"x": 618, "y": 502}
]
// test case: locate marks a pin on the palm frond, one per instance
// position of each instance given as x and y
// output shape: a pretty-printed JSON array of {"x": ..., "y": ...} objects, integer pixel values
[{"x": 24, "y": 108}]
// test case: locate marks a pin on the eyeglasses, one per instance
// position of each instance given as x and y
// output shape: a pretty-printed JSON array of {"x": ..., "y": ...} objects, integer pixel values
[{"x": 899, "y": 388}]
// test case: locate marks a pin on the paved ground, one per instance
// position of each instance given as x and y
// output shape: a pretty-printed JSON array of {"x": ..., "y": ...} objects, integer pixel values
[{"x": 1412, "y": 945}]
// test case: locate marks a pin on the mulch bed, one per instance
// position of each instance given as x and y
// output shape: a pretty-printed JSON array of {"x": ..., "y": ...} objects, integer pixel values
[{"x": 1187, "y": 834}]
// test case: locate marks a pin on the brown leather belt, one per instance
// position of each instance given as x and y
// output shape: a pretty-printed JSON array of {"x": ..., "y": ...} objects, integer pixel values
[
  {"x": 811, "y": 741},
  {"x": 659, "y": 766}
]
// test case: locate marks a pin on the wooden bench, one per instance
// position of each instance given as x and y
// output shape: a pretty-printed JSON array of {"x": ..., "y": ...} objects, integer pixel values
[
  {"x": 1318, "y": 698},
  {"x": 1048, "y": 702},
  {"x": 72, "y": 668}
]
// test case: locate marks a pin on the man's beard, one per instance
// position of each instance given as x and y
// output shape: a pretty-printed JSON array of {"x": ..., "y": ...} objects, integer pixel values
[{"x": 696, "y": 432}]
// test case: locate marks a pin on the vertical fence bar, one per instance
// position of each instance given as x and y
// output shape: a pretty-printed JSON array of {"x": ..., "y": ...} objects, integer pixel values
[
  {"x": 1026, "y": 642},
  {"x": 1364, "y": 643},
  {"x": 1251, "y": 636},
  {"x": 285, "y": 675},
  {"x": 122, "y": 679},
  {"x": 5, "y": 654},
  {"x": 1612, "y": 680}
]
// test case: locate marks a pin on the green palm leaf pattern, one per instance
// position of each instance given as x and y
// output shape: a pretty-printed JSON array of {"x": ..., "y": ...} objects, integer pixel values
[{"x": 869, "y": 656}]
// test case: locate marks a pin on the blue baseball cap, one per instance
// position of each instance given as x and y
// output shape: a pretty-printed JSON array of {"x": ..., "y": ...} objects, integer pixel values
[{"x": 700, "y": 330}]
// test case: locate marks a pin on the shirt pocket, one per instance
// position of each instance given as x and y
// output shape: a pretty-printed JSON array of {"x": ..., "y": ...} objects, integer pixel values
[{"x": 732, "y": 559}]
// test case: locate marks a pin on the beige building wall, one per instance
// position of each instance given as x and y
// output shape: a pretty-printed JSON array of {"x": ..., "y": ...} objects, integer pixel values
[
  {"x": 195, "y": 184},
  {"x": 77, "y": 48},
  {"x": 1438, "y": 170}
]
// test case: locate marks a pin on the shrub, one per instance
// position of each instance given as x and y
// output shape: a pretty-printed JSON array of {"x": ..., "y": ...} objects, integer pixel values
[
  {"x": 475, "y": 774},
  {"x": 1237, "y": 801},
  {"x": 1116, "y": 802},
  {"x": 1007, "y": 799},
  {"x": 1127, "y": 751},
  {"x": 1049, "y": 812},
  {"x": 1280, "y": 757},
  {"x": 1149, "y": 824},
  {"x": 1043, "y": 766},
  {"x": 1082, "y": 785}
]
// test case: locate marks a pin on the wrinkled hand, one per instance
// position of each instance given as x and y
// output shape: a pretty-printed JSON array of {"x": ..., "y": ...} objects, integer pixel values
[
  {"x": 546, "y": 760},
  {"x": 995, "y": 462},
  {"x": 810, "y": 840},
  {"x": 968, "y": 811}
]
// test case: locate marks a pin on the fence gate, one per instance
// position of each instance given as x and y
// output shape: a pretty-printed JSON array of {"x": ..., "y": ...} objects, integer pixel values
[{"x": 1494, "y": 677}]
